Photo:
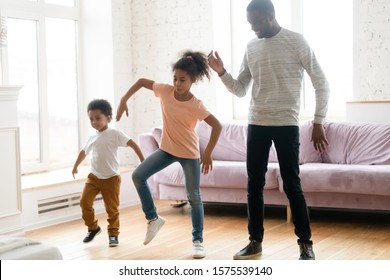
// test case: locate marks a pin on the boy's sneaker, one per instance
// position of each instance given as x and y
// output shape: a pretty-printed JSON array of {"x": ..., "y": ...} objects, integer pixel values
[
  {"x": 306, "y": 251},
  {"x": 198, "y": 250},
  {"x": 253, "y": 249},
  {"x": 153, "y": 227},
  {"x": 113, "y": 241},
  {"x": 91, "y": 234}
]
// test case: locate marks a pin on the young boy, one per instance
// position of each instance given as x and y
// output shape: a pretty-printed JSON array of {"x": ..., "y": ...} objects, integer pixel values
[{"x": 104, "y": 177}]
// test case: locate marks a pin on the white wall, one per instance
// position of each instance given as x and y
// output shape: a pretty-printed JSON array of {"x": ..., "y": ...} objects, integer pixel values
[
  {"x": 122, "y": 64},
  {"x": 371, "y": 62},
  {"x": 372, "y": 50}
]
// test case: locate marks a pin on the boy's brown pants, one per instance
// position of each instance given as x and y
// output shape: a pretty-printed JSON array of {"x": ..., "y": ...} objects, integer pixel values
[{"x": 109, "y": 188}]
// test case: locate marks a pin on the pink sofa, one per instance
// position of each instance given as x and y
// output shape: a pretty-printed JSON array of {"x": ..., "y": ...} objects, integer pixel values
[{"x": 353, "y": 173}]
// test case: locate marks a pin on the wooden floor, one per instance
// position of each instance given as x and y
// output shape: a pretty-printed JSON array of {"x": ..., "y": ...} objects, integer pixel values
[{"x": 337, "y": 235}]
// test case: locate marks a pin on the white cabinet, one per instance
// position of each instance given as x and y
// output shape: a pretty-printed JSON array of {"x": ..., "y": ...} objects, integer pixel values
[{"x": 10, "y": 187}]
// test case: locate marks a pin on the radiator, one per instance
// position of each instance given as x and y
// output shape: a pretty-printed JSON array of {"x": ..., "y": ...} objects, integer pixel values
[{"x": 62, "y": 202}]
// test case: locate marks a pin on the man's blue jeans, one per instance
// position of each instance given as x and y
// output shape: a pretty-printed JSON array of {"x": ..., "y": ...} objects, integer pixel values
[
  {"x": 191, "y": 168},
  {"x": 286, "y": 141}
]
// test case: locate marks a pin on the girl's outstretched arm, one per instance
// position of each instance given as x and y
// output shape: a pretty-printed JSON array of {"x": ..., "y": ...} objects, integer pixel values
[
  {"x": 216, "y": 128},
  {"x": 122, "y": 107}
]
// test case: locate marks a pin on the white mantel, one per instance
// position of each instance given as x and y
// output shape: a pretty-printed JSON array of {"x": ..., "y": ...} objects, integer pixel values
[{"x": 10, "y": 188}]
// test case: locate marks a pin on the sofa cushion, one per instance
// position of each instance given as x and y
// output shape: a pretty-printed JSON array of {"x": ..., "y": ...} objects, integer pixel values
[
  {"x": 225, "y": 174},
  {"x": 307, "y": 153},
  {"x": 231, "y": 143},
  {"x": 357, "y": 143},
  {"x": 147, "y": 143},
  {"x": 157, "y": 132},
  {"x": 345, "y": 178}
]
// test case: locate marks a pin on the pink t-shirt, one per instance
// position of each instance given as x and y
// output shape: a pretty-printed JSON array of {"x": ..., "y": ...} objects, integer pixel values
[{"x": 179, "y": 121}]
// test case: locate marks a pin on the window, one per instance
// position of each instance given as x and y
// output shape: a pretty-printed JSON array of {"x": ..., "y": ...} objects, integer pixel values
[
  {"x": 70, "y": 3},
  {"x": 41, "y": 55},
  {"x": 62, "y": 89},
  {"x": 328, "y": 27},
  {"x": 23, "y": 70}
]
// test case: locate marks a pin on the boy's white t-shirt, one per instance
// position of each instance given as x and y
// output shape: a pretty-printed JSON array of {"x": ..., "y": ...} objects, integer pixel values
[{"x": 104, "y": 147}]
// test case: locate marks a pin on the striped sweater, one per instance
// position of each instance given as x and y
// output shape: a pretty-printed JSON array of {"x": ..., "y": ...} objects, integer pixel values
[{"x": 275, "y": 67}]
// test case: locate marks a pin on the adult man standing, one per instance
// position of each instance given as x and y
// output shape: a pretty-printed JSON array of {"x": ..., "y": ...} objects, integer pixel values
[{"x": 275, "y": 63}]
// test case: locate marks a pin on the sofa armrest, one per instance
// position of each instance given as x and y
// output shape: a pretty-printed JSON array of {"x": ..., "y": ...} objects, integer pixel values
[{"x": 147, "y": 143}]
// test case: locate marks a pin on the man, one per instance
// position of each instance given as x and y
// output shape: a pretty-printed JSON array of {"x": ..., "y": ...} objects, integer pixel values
[{"x": 275, "y": 63}]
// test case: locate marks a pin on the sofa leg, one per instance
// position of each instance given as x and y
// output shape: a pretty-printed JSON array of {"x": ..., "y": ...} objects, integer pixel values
[{"x": 289, "y": 215}]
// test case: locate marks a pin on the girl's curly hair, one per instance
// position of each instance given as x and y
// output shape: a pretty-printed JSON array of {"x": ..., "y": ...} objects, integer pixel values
[{"x": 195, "y": 64}]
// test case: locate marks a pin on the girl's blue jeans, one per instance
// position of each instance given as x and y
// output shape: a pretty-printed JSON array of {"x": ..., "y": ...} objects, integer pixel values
[{"x": 191, "y": 168}]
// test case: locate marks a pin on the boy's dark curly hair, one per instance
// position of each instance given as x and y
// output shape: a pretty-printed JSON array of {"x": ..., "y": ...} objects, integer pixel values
[
  {"x": 102, "y": 105},
  {"x": 195, "y": 64}
]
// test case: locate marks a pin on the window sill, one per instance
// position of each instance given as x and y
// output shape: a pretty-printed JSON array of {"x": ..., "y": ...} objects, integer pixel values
[{"x": 60, "y": 176}]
